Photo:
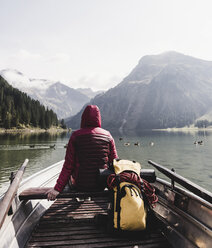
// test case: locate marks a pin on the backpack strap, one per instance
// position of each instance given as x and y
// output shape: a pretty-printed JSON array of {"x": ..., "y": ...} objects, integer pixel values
[
  {"x": 118, "y": 200},
  {"x": 133, "y": 188}
]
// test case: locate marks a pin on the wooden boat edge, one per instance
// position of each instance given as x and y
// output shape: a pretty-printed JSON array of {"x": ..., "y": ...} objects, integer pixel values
[{"x": 38, "y": 209}]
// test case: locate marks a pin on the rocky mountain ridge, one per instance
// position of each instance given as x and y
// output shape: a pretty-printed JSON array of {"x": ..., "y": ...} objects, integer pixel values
[{"x": 162, "y": 91}]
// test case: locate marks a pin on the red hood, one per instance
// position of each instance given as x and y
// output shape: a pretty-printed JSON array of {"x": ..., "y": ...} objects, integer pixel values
[{"x": 91, "y": 117}]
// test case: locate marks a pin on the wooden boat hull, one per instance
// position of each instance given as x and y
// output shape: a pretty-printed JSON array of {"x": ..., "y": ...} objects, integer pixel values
[
  {"x": 18, "y": 226},
  {"x": 187, "y": 218},
  {"x": 184, "y": 218}
]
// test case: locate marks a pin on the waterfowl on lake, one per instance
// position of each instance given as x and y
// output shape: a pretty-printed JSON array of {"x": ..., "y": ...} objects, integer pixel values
[
  {"x": 151, "y": 143},
  {"x": 137, "y": 144},
  {"x": 31, "y": 146},
  {"x": 120, "y": 138},
  {"x": 200, "y": 142},
  {"x": 52, "y": 146},
  {"x": 127, "y": 144}
]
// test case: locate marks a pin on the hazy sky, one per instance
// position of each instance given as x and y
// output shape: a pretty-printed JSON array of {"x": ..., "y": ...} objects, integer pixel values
[{"x": 96, "y": 43}]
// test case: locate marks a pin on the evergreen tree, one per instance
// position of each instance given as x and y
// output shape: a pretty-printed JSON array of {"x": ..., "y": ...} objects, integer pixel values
[
  {"x": 63, "y": 124},
  {"x": 16, "y": 108}
]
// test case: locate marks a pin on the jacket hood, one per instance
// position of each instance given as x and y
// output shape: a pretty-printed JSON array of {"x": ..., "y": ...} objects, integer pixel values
[{"x": 91, "y": 117}]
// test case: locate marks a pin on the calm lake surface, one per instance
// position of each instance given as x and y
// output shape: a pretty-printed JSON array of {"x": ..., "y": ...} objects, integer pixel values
[{"x": 171, "y": 149}]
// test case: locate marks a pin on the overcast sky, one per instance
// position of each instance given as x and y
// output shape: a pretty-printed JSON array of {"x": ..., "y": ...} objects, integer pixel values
[{"x": 96, "y": 43}]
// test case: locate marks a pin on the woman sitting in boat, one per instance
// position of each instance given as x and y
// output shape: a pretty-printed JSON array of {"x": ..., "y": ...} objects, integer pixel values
[{"x": 90, "y": 148}]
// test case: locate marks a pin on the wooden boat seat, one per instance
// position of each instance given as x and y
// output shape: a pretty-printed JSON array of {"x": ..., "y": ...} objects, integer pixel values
[{"x": 41, "y": 193}]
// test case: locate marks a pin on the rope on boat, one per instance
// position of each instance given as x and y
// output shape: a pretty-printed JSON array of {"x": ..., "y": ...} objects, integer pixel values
[{"x": 132, "y": 177}]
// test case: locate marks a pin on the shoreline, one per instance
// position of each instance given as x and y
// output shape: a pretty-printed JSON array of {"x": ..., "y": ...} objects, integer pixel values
[
  {"x": 61, "y": 130},
  {"x": 185, "y": 129},
  {"x": 33, "y": 130}
]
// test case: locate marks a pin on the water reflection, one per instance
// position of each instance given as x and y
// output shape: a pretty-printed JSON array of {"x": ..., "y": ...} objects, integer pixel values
[{"x": 42, "y": 150}]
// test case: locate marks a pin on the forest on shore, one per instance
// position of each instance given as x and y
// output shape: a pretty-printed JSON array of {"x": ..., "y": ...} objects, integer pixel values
[{"x": 18, "y": 110}]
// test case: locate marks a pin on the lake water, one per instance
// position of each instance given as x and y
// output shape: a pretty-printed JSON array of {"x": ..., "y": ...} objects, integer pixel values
[{"x": 171, "y": 149}]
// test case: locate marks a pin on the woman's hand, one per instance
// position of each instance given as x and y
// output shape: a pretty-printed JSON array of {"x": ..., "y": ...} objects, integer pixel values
[{"x": 52, "y": 194}]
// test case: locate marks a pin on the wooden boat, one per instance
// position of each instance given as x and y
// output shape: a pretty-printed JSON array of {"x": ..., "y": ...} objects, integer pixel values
[{"x": 182, "y": 217}]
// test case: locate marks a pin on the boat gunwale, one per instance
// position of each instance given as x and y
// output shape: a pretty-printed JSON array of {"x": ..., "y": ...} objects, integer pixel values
[
  {"x": 178, "y": 217},
  {"x": 184, "y": 191},
  {"x": 189, "y": 186},
  {"x": 41, "y": 172}
]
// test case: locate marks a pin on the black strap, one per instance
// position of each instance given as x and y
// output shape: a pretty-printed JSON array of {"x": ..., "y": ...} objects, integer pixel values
[
  {"x": 133, "y": 188},
  {"x": 118, "y": 199}
]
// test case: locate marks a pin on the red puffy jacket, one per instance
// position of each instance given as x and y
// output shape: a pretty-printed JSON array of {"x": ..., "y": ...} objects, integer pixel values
[{"x": 89, "y": 149}]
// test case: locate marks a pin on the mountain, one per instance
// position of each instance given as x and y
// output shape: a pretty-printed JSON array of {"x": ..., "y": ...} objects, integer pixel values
[
  {"x": 162, "y": 91},
  {"x": 63, "y": 100},
  {"x": 19, "y": 110},
  {"x": 89, "y": 92}
]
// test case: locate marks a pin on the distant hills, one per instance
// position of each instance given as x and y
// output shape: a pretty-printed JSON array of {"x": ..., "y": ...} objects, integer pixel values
[
  {"x": 18, "y": 110},
  {"x": 63, "y": 100},
  {"x": 163, "y": 91}
]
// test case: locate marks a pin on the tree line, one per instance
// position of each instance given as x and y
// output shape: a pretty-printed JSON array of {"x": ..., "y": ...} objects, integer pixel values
[
  {"x": 203, "y": 123},
  {"x": 17, "y": 109}
]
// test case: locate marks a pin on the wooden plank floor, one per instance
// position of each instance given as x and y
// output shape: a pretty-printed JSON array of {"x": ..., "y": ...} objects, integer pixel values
[{"x": 70, "y": 223}]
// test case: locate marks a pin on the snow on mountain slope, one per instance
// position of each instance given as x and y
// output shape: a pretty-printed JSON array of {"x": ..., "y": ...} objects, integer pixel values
[
  {"x": 20, "y": 81},
  {"x": 63, "y": 100}
]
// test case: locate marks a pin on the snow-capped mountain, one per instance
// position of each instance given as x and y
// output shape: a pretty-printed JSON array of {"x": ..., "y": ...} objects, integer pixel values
[
  {"x": 20, "y": 81},
  {"x": 63, "y": 100}
]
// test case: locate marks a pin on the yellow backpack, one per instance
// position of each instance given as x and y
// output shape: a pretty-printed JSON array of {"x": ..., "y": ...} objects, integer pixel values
[{"x": 128, "y": 209}]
